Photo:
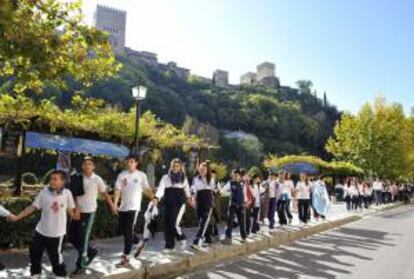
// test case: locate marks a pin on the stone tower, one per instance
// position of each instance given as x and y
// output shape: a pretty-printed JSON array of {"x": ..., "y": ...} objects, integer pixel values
[
  {"x": 248, "y": 78},
  {"x": 112, "y": 21},
  {"x": 221, "y": 78},
  {"x": 266, "y": 75}
]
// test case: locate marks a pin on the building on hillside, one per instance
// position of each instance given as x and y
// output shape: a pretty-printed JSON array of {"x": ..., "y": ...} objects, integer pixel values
[
  {"x": 172, "y": 67},
  {"x": 146, "y": 57},
  {"x": 265, "y": 70},
  {"x": 248, "y": 78},
  {"x": 220, "y": 78},
  {"x": 112, "y": 21},
  {"x": 266, "y": 75}
]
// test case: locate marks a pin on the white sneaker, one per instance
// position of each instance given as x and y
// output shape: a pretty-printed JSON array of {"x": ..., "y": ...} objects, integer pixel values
[
  {"x": 197, "y": 247},
  {"x": 183, "y": 244},
  {"x": 168, "y": 251}
]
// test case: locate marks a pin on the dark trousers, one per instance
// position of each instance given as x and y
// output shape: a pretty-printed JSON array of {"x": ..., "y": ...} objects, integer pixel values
[
  {"x": 287, "y": 209},
  {"x": 304, "y": 210},
  {"x": 271, "y": 212},
  {"x": 216, "y": 215},
  {"x": 281, "y": 207},
  {"x": 52, "y": 245},
  {"x": 354, "y": 202},
  {"x": 256, "y": 216},
  {"x": 238, "y": 211},
  {"x": 360, "y": 201},
  {"x": 204, "y": 228},
  {"x": 248, "y": 220},
  {"x": 126, "y": 222},
  {"x": 378, "y": 197},
  {"x": 79, "y": 235},
  {"x": 172, "y": 228},
  {"x": 347, "y": 199}
]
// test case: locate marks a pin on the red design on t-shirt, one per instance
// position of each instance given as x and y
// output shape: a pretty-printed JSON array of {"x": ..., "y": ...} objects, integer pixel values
[
  {"x": 125, "y": 182},
  {"x": 55, "y": 207}
]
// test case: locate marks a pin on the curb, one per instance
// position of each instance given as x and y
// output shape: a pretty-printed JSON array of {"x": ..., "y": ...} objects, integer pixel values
[{"x": 188, "y": 262}]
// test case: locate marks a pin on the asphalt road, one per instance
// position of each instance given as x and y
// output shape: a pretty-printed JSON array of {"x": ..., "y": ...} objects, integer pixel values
[{"x": 379, "y": 246}]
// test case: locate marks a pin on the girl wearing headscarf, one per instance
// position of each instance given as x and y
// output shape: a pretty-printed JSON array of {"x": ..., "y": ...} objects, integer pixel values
[{"x": 175, "y": 192}]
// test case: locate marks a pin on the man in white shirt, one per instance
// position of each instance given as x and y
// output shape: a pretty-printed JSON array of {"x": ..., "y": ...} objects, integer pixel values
[
  {"x": 377, "y": 186},
  {"x": 54, "y": 202},
  {"x": 80, "y": 231},
  {"x": 129, "y": 187},
  {"x": 273, "y": 189}
]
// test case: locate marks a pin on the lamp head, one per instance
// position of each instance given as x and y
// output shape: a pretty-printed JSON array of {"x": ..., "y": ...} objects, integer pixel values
[{"x": 139, "y": 92}]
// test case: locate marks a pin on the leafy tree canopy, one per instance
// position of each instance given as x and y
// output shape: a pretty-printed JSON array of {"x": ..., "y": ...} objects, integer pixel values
[
  {"x": 377, "y": 138},
  {"x": 44, "y": 41}
]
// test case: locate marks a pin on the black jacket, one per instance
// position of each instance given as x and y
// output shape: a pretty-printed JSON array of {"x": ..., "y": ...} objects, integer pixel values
[{"x": 76, "y": 185}]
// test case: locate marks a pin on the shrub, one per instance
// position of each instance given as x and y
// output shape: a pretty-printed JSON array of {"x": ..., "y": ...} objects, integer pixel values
[{"x": 30, "y": 178}]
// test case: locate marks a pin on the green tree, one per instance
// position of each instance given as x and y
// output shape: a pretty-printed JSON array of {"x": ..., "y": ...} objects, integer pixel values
[
  {"x": 45, "y": 42},
  {"x": 374, "y": 139}
]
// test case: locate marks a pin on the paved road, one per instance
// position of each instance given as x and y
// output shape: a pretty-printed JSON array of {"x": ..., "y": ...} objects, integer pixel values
[{"x": 380, "y": 246}]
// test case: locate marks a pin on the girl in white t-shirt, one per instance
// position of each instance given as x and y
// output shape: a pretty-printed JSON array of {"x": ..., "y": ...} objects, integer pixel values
[
  {"x": 258, "y": 191},
  {"x": 302, "y": 190}
]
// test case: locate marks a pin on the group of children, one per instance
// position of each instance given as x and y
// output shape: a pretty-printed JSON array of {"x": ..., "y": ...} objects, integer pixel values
[
  {"x": 251, "y": 202},
  {"x": 359, "y": 194}
]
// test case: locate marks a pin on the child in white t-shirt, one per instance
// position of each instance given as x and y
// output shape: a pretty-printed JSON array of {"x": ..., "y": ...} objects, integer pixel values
[
  {"x": 54, "y": 202},
  {"x": 129, "y": 187}
]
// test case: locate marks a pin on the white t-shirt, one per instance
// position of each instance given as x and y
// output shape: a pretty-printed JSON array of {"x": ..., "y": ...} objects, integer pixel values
[
  {"x": 53, "y": 207},
  {"x": 131, "y": 185},
  {"x": 303, "y": 190},
  {"x": 200, "y": 184},
  {"x": 353, "y": 191},
  {"x": 287, "y": 188},
  {"x": 257, "y": 192},
  {"x": 377, "y": 186},
  {"x": 92, "y": 185},
  {"x": 273, "y": 185},
  {"x": 4, "y": 212}
]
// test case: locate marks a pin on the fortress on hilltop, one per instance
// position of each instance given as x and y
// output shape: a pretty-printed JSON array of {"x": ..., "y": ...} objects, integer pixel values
[{"x": 113, "y": 21}]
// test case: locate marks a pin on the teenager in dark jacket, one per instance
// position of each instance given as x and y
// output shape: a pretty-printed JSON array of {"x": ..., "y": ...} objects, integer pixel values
[{"x": 236, "y": 207}]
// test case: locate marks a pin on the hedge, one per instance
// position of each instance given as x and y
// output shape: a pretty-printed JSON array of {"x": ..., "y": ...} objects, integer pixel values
[
  {"x": 20, "y": 234},
  {"x": 327, "y": 168}
]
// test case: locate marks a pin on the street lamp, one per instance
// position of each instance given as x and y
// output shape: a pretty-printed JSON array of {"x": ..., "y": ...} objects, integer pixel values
[{"x": 139, "y": 93}]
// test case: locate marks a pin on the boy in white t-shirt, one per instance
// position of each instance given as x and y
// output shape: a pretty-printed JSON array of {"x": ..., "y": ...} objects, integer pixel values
[
  {"x": 129, "y": 187},
  {"x": 54, "y": 202},
  {"x": 80, "y": 231}
]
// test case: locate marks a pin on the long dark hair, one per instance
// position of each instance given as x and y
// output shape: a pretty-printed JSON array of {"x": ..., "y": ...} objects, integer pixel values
[{"x": 208, "y": 175}]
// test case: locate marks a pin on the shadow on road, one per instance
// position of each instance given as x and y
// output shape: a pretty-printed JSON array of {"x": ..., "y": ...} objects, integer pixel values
[{"x": 315, "y": 257}]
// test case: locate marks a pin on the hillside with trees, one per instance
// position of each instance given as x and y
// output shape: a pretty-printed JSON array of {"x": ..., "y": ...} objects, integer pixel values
[{"x": 248, "y": 122}]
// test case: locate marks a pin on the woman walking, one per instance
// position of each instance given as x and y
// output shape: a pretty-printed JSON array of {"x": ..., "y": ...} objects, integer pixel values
[
  {"x": 202, "y": 189},
  {"x": 303, "y": 194},
  {"x": 175, "y": 192}
]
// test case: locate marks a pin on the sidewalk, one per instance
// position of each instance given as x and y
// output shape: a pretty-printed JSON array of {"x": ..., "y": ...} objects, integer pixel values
[{"x": 154, "y": 264}]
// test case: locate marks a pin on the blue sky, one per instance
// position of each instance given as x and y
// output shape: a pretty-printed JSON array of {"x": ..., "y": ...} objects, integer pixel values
[{"x": 352, "y": 49}]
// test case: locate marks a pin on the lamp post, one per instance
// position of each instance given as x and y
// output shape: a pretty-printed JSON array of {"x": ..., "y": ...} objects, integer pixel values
[{"x": 139, "y": 93}]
